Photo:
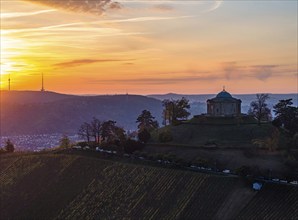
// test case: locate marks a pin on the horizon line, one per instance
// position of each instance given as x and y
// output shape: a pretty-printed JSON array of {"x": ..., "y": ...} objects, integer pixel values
[{"x": 147, "y": 94}]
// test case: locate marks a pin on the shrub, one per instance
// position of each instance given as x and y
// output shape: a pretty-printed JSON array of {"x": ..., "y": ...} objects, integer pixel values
[
  {"x": 64, "y": 142},
  {"x": 131, "y": 146},
  {"x": 243, "y": 171},
  {"x": 165, "y": 136},
  {"x": 9, "y": 147}
]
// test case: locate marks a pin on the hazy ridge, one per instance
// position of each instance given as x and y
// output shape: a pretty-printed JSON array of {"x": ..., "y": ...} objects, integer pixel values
[{"x": 34, "y": 112}]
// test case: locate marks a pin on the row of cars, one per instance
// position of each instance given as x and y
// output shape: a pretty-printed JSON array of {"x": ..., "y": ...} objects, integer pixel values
[
  {"x": 276, "y": 180},
  {"x": 191, "y": 167}
]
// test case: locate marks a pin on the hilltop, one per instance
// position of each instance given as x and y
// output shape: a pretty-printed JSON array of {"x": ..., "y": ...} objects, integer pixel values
[
  {"x": 31, "y": 97},
  {"x": 224, "y": 132},
  {"x": 62, "y": 186},
  {"x": 29, "y": 112}
]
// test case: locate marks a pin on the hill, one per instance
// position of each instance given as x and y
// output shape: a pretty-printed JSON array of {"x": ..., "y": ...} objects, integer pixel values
[
  {"x": 61, "y": 186},
  {"x": 35, "y": 112},
  {"x": 219, "y": 131},
  {"x": 48, "y": 112},
  {"x": 30, "y": 97}
]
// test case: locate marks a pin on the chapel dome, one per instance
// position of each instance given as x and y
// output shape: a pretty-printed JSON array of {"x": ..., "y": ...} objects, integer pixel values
[{"x": 224, "y": 94}]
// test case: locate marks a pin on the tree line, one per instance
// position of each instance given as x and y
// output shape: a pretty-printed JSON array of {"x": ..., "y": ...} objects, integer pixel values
[{"x": 102, "y": 132}]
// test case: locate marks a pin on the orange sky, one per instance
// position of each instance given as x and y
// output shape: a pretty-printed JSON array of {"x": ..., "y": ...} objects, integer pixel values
[{"x": 147, "y": 47}]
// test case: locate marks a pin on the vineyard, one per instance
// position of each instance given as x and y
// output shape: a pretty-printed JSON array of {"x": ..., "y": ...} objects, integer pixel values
[{"x": 52, "y": 186}]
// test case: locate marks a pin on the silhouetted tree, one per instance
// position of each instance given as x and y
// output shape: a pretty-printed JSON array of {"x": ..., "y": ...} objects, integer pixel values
[
  {"x": 259, "y": 109},
  {"x": 107, "y": 130},
  {"x": 96, "y": 129},
  {"x": 175, "y": 110},
  {"x": 85, "y": 131},
  {"x": 146, "y": 125},
  {"x": 146, "y": 121},
  {"x": 144, "y": 135},
  {"x": 111, "y": 133},
  {"x": 9, "y": 146},
  {"x": 286, "y": 115},
  {"x": 119, "y": 135}
]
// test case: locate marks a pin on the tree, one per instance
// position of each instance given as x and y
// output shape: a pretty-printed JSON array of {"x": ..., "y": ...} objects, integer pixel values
[
  {"x": 146, "y": 121},
  {"x": 111, "y": 133},
  {"x": 64, "y": 142},
  {"x": 85, "y": 131},
  {"x": 96, "y": 129},
  {"x": 146, "y": 125},
  {"x": 286, "y": 115},
  {"x": 144, "y": 135},
  {"x": 119, "y": 135},
  {"x": 9, "y": 146},
  {"x": 107, "y": 130},
  {"x": 175, "y": 110},
  {"x": 259, "y": 109}
]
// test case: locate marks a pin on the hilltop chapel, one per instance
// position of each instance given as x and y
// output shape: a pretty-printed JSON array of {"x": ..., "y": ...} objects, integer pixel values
[{"x": 224, "y": 105}]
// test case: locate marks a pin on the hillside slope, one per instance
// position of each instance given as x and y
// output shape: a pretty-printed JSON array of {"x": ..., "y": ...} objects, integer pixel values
[
  {"x": 58, "y": 113},
  {"x": 52, "y": 186},
  {"x": 226, "y": 135}
]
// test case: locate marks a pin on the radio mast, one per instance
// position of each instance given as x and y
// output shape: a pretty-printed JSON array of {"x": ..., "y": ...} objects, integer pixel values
[
  {"x": 9, "y": 83},
  {"x": 42, "y": 85}
]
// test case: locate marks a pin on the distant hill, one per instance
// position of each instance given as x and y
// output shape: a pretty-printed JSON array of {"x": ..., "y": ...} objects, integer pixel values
[
  {"x": 31, "y": 97},
  {"x": 48, "y": 112},
  {"x": 35, "y": 112},
  {"x": 61, "y": 186}
]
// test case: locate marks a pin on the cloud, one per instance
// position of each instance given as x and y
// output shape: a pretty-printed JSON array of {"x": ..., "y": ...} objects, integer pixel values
[
  {"x": 183, "y": 77},
  {"x": 263, "y": 72},
  {"x": 163, "y": 7},
  {"x": 75, "y": 63},
  {"x": 24, "y": 14},
  {"x": 234, "y": 71},
  {"x": 88, "y": 6},
  {"x": 100, "y": 6},
  {"x": 215, "y": 6},
  {"x": 231, "y": 70}
]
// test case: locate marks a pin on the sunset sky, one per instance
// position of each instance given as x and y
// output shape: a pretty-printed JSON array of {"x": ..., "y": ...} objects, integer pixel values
[{"x": 149, "y": 46}]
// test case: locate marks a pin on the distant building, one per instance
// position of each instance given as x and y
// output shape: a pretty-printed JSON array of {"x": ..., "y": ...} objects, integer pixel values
[{"x": 224, "y": 105}]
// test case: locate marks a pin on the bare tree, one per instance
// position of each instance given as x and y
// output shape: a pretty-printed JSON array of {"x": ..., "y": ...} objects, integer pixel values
[
  {"x": 259, "y": 109},
  {"x": 96, "y": 128},
  {"x": 85, "y": 131}
]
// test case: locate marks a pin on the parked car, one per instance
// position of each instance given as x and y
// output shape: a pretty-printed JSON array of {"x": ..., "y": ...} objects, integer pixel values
[{"x": 226, "y": 171}]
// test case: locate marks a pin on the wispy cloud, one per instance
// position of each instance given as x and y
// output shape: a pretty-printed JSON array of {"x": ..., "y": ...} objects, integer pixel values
[
  {"x": 94, "y": 6},
  {"x": 24, "y": 14},
  {"x": 263, "y": 72},
  {"x": 74, "y": 63},
  {"x": 215, "y": 6},
  {"x": 233, "y": 71},
  {"x": 100, "y": 6}
]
